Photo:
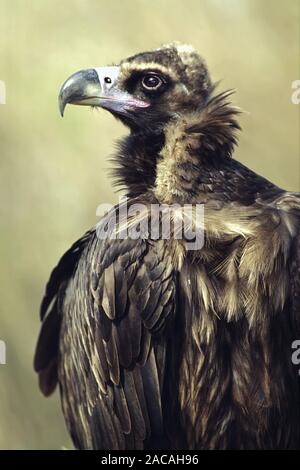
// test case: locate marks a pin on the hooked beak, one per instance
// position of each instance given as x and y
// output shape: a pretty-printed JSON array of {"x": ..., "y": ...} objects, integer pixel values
[{"x": 98, "y": 87}]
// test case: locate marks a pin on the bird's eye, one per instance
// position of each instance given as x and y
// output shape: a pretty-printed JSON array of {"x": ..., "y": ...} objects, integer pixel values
[{"x": 152, "y": 82}]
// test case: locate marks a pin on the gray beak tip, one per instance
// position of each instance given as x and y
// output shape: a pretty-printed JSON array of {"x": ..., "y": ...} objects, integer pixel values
[{"x": 61, "y": 105}]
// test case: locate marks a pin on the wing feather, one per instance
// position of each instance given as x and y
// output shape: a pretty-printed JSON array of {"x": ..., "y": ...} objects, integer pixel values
[{"x": 114, "y": 313}]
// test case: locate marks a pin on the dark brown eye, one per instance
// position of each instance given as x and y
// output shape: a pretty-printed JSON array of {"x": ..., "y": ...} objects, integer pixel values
[{"x": 152, "y": 82}]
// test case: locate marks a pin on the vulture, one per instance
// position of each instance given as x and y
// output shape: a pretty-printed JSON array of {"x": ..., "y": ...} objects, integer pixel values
[{"x": 155, "y": 343}]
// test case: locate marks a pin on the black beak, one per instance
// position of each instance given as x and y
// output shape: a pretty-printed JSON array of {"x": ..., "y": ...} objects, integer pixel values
[{"x": 98, "y": 87}]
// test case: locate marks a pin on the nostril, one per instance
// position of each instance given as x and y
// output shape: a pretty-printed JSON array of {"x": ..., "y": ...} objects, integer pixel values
[{"x": 107, "y": 80}]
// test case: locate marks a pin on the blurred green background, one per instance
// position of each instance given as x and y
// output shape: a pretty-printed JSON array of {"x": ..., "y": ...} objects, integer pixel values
[{"x": 53, "y": 170}]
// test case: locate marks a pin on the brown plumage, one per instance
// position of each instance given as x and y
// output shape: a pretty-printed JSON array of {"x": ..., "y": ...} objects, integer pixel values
[{"x": 154, "y": 345}]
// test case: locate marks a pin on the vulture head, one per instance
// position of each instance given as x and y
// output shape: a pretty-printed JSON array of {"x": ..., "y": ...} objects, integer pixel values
[
  {"x": 167, "y": 99},
  {"x": 146, "y": 90}
]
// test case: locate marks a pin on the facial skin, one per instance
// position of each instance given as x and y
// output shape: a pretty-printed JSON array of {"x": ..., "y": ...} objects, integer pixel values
[{"x": 144, "y": 91}]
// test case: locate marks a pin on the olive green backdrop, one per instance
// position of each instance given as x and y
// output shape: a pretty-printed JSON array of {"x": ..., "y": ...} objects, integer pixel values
[{"x": 54, "y": 171}]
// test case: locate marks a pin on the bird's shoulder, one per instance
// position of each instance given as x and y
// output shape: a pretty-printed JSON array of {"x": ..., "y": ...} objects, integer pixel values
[
  {"x": 248, "y": 197},
  {"x": 245, "y": 185}
]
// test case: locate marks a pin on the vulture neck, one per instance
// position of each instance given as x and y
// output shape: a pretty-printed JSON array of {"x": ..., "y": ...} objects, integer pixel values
[
  {"x": 180, "y": 161},
  {"x": 198, "y": 146},
  {"x": 136, "y": 161}
]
